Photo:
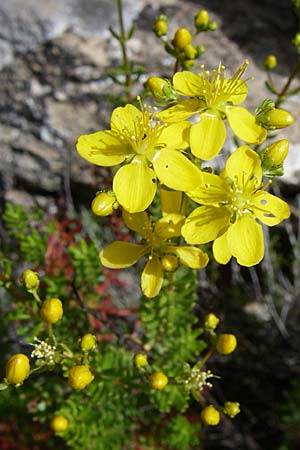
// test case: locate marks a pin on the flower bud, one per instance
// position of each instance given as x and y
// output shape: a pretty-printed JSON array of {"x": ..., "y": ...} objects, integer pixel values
[
  {"x": 270, "y": 62},
  {"x": 169, "y": 262},
  {"x": 140, "y": 360},
  {"x": 210, "y": 416},
  {"x": 226, "y": 343},
  {"x": 158, "y": 381},
  {"x": 273, "y": 156},
  {"x": 212, "y": 26},
  {"x": 296, "y": 42},
  {"x": 202, "y": 20},
  {"x": 190, "y": 52},
  {"x": 277, "y": 118},
  {"x": 59, "y": 423},
  {"x": 88, "y": 342},
  {"x": 104, "y": 203},
  {"x": 17, "y": 368},
  {"x": 160, "y": 26},
  {"x": 188, "y": 64},
  {"x": 211, "y": 321},
  {"x": 80, "y": 377},
  {"x": 51, "y": 310},
  {"x": 160, "y": 88},
  {"x": 30, "y": 279},
  {"x": 182, "y": 38},
  {"x": 231, "y": 409}
]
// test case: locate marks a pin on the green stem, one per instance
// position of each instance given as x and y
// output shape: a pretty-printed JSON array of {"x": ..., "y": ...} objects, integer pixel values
[
  {"x": 284, "y": 90},
  {"x": 122, "y": 41}
]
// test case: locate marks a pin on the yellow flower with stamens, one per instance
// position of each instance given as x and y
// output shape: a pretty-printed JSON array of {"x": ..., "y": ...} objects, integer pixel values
[
  {"x": 214, "y": 97},
  {"x": 159, "y": 240},
  {"x": 148, "y": 149},
  {"x": 231, "y": 205}
]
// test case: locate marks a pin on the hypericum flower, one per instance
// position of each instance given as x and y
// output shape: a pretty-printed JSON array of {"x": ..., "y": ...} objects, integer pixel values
[
  {"x": 213, "y": 96},
  {"x": 158, "y": 242},
  {"x": 17, "y": 368},
  {"x": 232, "y": 203},
  {"x": 149, "y": 149}
]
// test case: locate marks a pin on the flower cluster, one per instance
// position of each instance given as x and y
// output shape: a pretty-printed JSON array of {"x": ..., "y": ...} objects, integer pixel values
[{"x": 164, "y": 150}]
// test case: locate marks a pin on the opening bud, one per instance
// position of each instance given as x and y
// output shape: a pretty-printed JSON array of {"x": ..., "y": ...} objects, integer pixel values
[
  {"x": 140, "y": 360},
  {"x": 51, "y": 310},
  {"x": 104, "y": 203},
  {"x": 158, "y": 381},
  {"x": 210, "y": 416},
  {"x": 30, "y": 279},
  {"x": 160, "y": 26},
  {"x": 88, "y": 342},
  {"x": 17, "y": 368},
  {"x": 80, "y": 376},
  {"x": 182, "y": 38},
  {"x": 169, "y": 263},
  {"x": 270, "y": 62},
  {"x": 211, "y": 321},
  {"x": 231, "y": 409},
  {"x": 226, "y": 343},
  {"x": 59, "y": 423}
]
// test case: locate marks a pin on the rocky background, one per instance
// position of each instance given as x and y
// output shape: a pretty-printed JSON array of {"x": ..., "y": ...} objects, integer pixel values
[{"x": 54, "y": 59}]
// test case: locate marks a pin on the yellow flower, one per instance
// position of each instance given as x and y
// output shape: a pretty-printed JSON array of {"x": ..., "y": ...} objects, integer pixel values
[
  {"x": 232, "y": 204},
  {"x": 157, "y": 242},
  {"x": 148, "y": 149},
  {"x": 214, "y": 96}
]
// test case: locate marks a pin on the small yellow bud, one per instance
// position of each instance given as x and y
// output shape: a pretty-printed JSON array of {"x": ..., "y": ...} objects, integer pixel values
[
  {"x": 80, "y": 377},
  {"x": 30, "y": 279},
  {"x": 270, "y": 62},
  {"x": 140, "y": 360},
  {"x": 169, "y": 262},
  {"x": 226, "y": 343},
  {"x": 158, "y": 87},
  {"x": 51, "y": 310},
  {"x": 190, "y": 52},
  {"x": 88, "y": 342},
  {"x": 17, "y": 368},
  {"x": 231, "y": 409},
  {"x": 160, "y": 26},
  {"x": 296, "y": 42},
  {"x": 104, "y": 203},
  {"x": 277, "y": 118},
  {"x": 210, "y": 416},
  {"x": 182, "y": 38},
  {"x": 275, "y": 154},
  {"x": 59, "y": 423},
  {"x": 202, "y": 20},
  {"x": 158, "y": 381},
  {"x": 211, "y": 321},
  {"x": 188, "y": 64}
]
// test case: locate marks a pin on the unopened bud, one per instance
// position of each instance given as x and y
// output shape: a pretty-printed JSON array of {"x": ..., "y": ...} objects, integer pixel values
[
  {"x": 140, "y": 360},
  {"x": 160, "y": 26},
  {"x": 169, "y": 262},
  {"x": 51, "y": 310},
  {"x": 210, "y": 416},
  {"x": 296, "y": 42},
  {"x": 182, "y": 38},
  {"x": 226, "y": 343},
  {"x": 231, "y": 409},
  {"x": 273, "y": 156},
  {"x": 190, "y": 52},
  {"x": 202, "y": 20},
  {"x": 211, "y": 321},
  {"x": 212, "y": 26},
  {"x": 79, "y": 377},
  {"x": 160, "y": 88},
  {"x": 30, "y": 279},
  {"x": 88, "y": 342},
  {"x": 270, "y": 62},
  {"x": 158, "y": 381},
  {"x": 59, "y": 424},
  {"x": 104, "y": 203},
  {"x": 277, "y": 118},
  {"x": 17, "y": 368}
]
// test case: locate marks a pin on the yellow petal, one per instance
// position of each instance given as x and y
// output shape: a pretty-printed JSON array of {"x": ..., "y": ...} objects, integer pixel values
[
  {"x": 175, "y": 136},
  {"x": 152, "y": 277},
  {"x": 243, "y": 165},
  {"x": 207, "y": 137},
  {"x": 192, "y": 257},
  {"x": 205, "y": 224},
  {"x": 119, "y": 254},
  {"x": 221, "y": 250},
  {"x": 176, "y": 171},
  {"x": 138, "y": 222},
  {"x": 243, "y": 124},
  {"x": 171, "y": 201},
  {"x": 181, "y": 111},
  {"x": 134, "y": 186},
  {"x": 103, "y": 148},
  {"x": 169, "y": 226},
  {"x": 246, "y": 241},
  {"x": 125, "y": 117},
  {"x": 270, "y": 209},
  {"x": 188, "y": 83},
  {"x": 212, "y": 190}
]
